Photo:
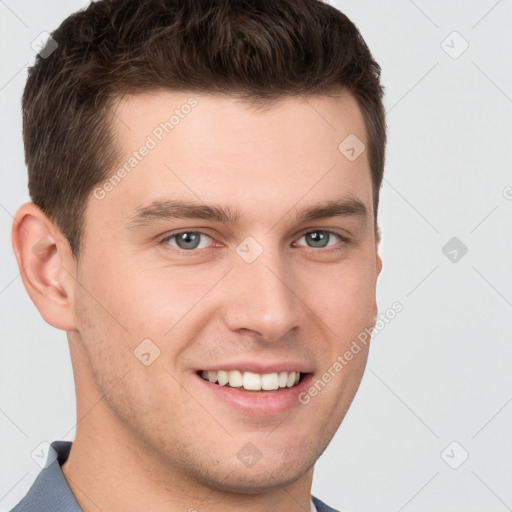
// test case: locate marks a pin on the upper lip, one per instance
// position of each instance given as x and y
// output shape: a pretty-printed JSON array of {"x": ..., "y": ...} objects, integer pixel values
[{"x": 259, "y": 367}]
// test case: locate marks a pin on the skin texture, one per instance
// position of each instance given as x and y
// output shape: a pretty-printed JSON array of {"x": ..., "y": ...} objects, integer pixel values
[{"x": 148, "y": 437}]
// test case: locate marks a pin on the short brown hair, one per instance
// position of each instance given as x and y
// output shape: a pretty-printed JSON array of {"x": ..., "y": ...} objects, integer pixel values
[{"x": 259, "y": 50}]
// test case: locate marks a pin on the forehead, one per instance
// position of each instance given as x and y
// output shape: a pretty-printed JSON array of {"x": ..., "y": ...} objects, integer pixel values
[
  {"x": 208, "y": 119},
  {"x": 218, "y": 149}
]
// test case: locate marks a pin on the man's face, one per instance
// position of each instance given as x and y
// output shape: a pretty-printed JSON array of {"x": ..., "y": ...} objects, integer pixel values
[{"x": 259, "y": 291}]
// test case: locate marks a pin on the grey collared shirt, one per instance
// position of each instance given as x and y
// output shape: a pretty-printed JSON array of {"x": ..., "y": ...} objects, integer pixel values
[{"x": 51, "y": 493}]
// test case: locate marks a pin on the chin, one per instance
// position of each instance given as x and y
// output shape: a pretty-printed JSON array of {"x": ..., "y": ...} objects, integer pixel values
[
  {"x": 255, "y": 481},
  {"x": 273, "y": 471}
]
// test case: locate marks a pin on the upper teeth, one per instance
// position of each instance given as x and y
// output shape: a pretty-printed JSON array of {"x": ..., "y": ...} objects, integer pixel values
[{"x": 253, "y": 381}]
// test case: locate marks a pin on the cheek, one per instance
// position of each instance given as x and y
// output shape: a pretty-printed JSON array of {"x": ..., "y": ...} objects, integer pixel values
[
  {"x": 137, "y": 300},
  {"x": 131, "y": 303},
  {"x": 162, "y": 302},
  {"x": 345, "y": 300},
  {"x": 127, "y": 364}
]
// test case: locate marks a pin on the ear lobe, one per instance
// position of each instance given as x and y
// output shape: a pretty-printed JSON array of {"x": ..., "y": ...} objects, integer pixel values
[
  {"x": 375, "y": 312},
  {"x": 379, "y": 268},
  {"x": 379, "y": 264},
  {"x": 45, "y": 264}
]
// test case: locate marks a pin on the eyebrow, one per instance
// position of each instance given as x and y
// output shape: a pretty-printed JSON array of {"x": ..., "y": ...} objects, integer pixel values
[{"x": 169, "y": 209}]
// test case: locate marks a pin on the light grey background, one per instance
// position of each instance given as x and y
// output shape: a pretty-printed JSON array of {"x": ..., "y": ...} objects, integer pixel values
[{"x": 440, "y": 371}]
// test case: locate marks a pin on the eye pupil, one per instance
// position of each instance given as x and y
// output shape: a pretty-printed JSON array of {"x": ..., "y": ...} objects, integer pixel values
[
  {"x": 187, "y": 240},
  {"x": 318, "y": 238}
]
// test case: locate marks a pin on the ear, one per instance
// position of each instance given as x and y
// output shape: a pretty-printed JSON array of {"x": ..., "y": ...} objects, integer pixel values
[
  {"x": 378, "y": 262},
  {"x": 46, "y": 265}
]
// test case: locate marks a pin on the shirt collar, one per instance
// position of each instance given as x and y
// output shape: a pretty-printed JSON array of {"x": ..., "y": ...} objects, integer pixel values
[{"x": 50, "y": 491}]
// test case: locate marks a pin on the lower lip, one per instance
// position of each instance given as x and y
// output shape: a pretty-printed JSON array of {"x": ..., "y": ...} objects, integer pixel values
[{"x": 259, "y": 403}]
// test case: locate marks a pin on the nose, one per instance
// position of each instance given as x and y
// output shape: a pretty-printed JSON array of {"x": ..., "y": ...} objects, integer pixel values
[{"x": 262, "y": 298}]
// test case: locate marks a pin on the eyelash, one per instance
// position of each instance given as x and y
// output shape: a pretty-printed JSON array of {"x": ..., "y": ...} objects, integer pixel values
[{"x": 343, "y": 239}]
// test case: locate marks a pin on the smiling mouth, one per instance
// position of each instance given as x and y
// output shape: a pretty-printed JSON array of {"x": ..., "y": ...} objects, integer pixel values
[{"x": 250, "y": 381}]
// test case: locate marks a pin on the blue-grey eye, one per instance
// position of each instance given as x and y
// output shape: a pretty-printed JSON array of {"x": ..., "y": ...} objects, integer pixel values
[
  {"x": 319, "y": 239},
  {"x": 189, "y": 240}
]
